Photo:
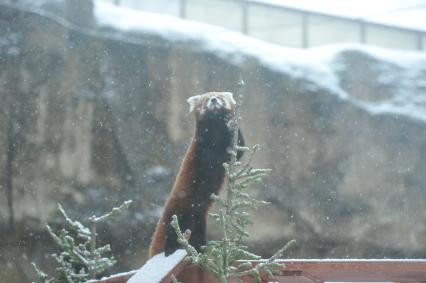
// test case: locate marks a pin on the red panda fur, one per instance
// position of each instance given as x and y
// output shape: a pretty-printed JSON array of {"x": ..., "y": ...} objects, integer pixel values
[{"x": 201, "y": 173}]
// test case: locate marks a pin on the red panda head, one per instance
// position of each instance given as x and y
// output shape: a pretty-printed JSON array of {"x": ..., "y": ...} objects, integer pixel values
[{"x": 211, "y": 103}]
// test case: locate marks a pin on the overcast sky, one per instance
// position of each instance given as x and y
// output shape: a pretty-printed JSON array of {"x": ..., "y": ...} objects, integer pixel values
[{"x": 405, "y": 13}]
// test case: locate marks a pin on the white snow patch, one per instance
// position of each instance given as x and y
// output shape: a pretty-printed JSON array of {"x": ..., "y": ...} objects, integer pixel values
[
  {"x": 128, "y": 19},
  {"x": 401, "y": 13},
  {"x": 117, "y": 275},
  {"x": 318, "y": 66},
  {"x": 229, "y": 44},
  {"x": 157, "y": 267}
]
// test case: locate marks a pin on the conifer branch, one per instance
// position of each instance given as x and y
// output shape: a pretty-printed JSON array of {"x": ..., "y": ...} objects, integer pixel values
[{"x": 80, "y": 259}]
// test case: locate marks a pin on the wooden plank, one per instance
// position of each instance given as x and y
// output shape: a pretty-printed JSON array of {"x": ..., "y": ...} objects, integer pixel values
[{"x": 361, "y": 270}]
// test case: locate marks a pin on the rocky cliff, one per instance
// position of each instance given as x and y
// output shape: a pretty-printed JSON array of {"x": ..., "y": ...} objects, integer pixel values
[{"x": 95, "y": 113}]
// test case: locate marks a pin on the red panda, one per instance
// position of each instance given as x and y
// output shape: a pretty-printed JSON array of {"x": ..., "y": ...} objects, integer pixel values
[{"x": 201, "y": 173}]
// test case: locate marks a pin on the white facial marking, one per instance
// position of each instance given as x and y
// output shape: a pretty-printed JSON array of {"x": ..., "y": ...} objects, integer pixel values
[
  {"x": 214, "y": 103},
  {"x": 193, "y": 102},
  {"x": 229, "y": 100}
]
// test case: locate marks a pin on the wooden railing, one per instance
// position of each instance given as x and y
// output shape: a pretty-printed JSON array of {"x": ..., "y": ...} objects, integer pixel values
[{"x": 298, "y": 271}]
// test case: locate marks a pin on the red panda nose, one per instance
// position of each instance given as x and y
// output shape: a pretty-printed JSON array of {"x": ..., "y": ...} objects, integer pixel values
[{"x": 214, "y": 103}]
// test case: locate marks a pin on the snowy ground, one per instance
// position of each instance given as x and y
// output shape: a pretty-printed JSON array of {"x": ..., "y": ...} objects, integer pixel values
[{"x": 317, "y": 65}]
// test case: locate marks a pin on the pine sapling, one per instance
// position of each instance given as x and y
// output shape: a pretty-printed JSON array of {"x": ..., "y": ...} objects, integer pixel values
[{"x": 80, "y": 259}]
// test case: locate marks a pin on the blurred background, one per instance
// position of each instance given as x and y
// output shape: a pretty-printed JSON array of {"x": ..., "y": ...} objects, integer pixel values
[{"x": 93, "y": 112}]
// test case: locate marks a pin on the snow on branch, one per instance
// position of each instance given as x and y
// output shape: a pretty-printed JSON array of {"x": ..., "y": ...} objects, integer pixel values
[{"x": 80, "y": 259}]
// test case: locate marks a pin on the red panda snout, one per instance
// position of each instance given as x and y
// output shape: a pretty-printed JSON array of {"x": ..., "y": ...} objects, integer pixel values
[{"x": 214, "y": 103}]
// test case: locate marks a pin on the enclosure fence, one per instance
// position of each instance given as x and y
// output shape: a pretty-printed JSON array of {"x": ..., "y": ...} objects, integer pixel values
[{"x": 281, "y": 25}]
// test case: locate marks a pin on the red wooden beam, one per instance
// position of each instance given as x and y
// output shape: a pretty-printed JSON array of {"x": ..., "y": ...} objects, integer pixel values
[
  {"x": 309, "y": 271},
  {"x": 352, "y": 270},
  {"x": 337, "y": 270}
]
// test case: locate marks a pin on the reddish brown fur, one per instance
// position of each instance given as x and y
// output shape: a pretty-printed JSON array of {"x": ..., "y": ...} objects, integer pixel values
[{"x": 176, "y": 199}]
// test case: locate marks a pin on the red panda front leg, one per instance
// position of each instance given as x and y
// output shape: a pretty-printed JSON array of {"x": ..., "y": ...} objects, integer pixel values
[
  {"x": 241, "y": 143},
  {"x": 199, "y": 231},
  {"x": 170, "y": 242},
  {"x": 195, "y": 222}
]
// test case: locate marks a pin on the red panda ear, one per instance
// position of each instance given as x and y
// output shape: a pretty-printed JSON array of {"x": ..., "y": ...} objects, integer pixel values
[
  {"x": 229, "y": 96},
  {"x": 193, "y": 100}
]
